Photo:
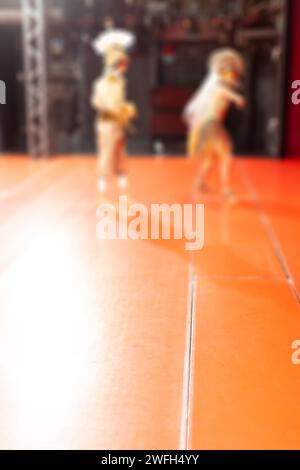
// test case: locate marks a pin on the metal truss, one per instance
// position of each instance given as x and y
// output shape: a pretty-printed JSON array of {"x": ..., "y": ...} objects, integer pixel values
[{"x": 35, "y": 63}]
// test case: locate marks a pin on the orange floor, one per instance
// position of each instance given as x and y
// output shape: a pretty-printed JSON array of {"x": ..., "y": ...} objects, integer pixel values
[{"x": 140, "y": 345}]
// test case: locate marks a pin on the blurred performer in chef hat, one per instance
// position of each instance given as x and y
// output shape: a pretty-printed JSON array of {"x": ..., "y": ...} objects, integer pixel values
[
  {"x": 114, "y": 112},
  {"x": 205, "y": 114}
]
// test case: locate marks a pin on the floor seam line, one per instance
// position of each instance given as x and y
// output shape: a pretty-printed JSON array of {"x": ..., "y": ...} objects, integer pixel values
[
  {"x": 188, "y": 361},
  {"x": 266, "y": 223}
]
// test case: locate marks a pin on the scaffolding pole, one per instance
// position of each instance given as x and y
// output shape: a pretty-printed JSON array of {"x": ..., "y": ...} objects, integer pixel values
[{"x": 35, "y": 64}]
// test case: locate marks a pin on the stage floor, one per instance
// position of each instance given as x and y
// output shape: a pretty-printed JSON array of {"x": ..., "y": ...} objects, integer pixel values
[{"x": 139, "y": 344}]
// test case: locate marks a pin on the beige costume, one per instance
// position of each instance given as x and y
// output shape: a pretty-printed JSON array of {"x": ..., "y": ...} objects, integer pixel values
[
  {"x": 114, "y": 113},
  {"x": 108, "y": 99}
]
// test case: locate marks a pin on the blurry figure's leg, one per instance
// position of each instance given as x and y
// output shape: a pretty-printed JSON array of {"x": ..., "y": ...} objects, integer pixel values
[
  {"x": 121, "y": 173},
  {"x": 225, "y": 154},
  {"x": 205, "y": 167},
  {"x": 193, "y": 142},
  {"x": 206, "y": 139},
  {"x": 121, "y": 169},
  {"x": 121, "y": 164},
  {"x": 106, "y": 141}
]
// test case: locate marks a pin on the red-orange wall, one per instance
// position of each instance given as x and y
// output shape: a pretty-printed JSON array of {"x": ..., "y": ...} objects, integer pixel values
[{"x": 292, "y": 134}]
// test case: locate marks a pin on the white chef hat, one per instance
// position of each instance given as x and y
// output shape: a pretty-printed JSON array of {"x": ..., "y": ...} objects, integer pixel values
[{"x": 113, "y": 39}]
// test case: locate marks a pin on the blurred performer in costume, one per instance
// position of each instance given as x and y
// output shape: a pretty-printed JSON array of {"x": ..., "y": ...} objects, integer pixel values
[
  {"x": 205, "y": 115},
  {"x": 114, "y": 113}
]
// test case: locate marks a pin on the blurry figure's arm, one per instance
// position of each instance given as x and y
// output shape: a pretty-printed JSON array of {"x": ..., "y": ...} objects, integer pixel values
[
  {"x": 96, "y": 101},
  {"x": 109, "y": 97},
  {"x": 234, "y": 97}
]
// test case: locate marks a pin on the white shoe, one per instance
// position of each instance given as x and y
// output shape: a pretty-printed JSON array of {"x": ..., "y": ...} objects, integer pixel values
[
  {"x": 123, "y": 182},
  {"x": 102, "y": 184}
]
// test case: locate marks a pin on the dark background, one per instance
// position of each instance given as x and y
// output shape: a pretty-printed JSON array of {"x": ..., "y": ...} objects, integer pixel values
[{"x": 174, "y": 39}]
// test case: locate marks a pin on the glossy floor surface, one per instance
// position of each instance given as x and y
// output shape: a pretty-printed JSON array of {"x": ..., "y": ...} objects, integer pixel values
[{"x": 140, "y": 344}]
